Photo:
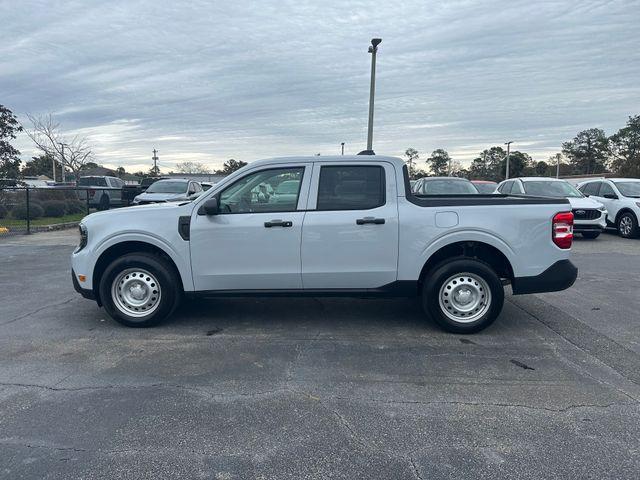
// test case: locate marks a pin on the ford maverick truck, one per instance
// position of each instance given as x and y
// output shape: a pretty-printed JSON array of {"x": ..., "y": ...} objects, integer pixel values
[{"x": 326, "y": 226}]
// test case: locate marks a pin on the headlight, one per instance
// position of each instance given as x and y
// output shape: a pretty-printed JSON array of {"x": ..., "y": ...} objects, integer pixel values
[
  {"x": 84, "y": 237},
  {"x": 136, "y": 199},
  {"x": 638, "y": 204},
  {"x": 602, "y": 208}
]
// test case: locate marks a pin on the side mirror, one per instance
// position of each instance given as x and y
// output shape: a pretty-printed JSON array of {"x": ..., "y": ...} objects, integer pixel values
[
  {"x": 610, "y": 196},
  {"x": 210, "y": 207}
]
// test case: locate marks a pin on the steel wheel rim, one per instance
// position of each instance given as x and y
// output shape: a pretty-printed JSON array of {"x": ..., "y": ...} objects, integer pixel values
[
  {"x": 136, "y": 292},
  {"x": 626, "y": 225},
  {"x": 464, "y": 297}
]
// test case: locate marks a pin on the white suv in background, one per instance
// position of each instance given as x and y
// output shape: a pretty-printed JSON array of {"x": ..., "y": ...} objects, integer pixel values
[
  {"x": 589, "y": 216},
  {"x": 621, "y": 197}
]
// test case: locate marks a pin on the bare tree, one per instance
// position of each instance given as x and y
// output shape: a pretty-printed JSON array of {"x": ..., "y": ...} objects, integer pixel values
[
  {"x": 73, "y": 153},
  {"x": 192, "y": 167}
]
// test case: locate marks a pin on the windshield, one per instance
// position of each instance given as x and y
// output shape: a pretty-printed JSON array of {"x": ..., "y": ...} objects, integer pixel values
[
  {"x": 544, "y": 188},
  {"x": 168, "y": 186},
  {"x": 629, "y": 189},
  {"x": 485, "y": 187},
  {"x": 448, "y": 187}
]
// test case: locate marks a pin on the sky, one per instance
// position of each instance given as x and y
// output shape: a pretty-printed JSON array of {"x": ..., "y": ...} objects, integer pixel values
[{"x": 205, "y": 81}]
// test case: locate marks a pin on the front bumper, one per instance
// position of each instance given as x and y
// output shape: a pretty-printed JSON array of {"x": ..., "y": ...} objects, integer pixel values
[
  {"x": 85, "y": 292},
  {"x": 559, "y": 276}
]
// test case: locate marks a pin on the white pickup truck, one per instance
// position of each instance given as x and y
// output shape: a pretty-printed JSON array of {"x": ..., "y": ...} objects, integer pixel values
[{"x": 346, "y": 225}]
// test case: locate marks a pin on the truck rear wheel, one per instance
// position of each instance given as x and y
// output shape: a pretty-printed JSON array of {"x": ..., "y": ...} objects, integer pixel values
[
  {"x": 139, "y": 289},
  {"x": 463, "y": 295}
]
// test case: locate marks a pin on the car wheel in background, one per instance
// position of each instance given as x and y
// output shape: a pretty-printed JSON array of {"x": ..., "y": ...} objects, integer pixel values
[
  {"x": 591, "y": 235},
  {"x": 627, "y": 225},
  {"x": 139, "y": 289},
  {"x": 104, "y": 203},
  {"x": 463, "y": 295}
]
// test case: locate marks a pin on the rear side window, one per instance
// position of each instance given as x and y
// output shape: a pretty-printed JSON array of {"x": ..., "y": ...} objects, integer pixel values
[
  {"x": 359, "y": 187},
  {"x": 606, "y": 189}
]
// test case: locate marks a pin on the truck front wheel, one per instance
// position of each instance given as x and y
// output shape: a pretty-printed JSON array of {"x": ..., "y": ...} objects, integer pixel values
[
  {"x": 463, "y": 295},
  {"x": 139, "y": 289}
]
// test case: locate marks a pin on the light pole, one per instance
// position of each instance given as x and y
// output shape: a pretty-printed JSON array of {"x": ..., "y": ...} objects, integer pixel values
[
  {"x": 62, "y": 145},
  {"x": 373, "y": 50},
  {"x": 558, "y": 165},
  {"x": 508, "y": 144},
  {"x": 342, "y": 145}
]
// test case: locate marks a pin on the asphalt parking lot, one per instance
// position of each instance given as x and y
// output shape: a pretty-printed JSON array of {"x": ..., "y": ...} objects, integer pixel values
[{"x": 319, "y": 388}]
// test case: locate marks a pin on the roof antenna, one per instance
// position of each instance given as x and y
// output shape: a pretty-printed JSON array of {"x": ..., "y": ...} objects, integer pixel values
[{"x": 373, "y": 49}]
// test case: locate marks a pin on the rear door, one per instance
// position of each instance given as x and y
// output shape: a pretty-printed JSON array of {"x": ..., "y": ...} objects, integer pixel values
[{"x": 350, "y": 230}]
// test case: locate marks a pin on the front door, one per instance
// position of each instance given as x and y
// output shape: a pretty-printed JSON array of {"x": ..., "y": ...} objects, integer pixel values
[
  {"x": 254, "y": 242},
  {"x": 350, "y": 232}
]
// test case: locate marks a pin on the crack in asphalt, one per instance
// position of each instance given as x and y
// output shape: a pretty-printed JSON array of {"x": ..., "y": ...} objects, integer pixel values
[
  {"x": 38, "y": 310},
  {"x": 287, "y": 389}
]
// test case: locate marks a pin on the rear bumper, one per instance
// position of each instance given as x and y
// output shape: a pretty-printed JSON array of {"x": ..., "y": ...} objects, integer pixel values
[
  {"x": 85, "y": 292},
  {"x": 559, "y": 276},
  {"x": 577, "y": 228}
]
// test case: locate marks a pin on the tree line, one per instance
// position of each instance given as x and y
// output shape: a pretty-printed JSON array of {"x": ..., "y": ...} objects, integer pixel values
[
  {"x": 591, "y": 151},
  {"x": 73, "y": 152}
]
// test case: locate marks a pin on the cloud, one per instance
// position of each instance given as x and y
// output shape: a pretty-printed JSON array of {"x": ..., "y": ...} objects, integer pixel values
[{"x": 208, "y": 81}]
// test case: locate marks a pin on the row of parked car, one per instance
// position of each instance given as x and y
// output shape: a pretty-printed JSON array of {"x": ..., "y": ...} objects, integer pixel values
[
  {"x": 596, "y": 204},
  {"x": 106, "y": 192}
]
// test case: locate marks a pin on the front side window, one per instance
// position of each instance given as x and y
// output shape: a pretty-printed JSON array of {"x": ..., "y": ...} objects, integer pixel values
[
  {"x": 358, "y": 187},
  {"x": 505, "y": 188},
  {"x": 591, "y": 188},
  {"x": 273, "y": 190},
  {"x": 607, "y": 189}
]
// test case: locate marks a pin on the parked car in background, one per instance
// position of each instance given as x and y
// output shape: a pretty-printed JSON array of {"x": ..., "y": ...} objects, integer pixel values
[
  {"x": 485, "y": 186},
  {"x": 129, "y": 192},
  {"x": 169, "y": 190},
  {"x": 444, "y": 186},
  {"x": 589, "y": 216},
  {"x": 621, "y": 197},
  {"x": 352, "y": 227},
  {"x": 104, "y": 192}
]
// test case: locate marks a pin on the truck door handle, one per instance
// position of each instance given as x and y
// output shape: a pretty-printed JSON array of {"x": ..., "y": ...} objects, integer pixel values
[
  {"x": 278, "y": 223},
  {"x": 372, "y": 220}
]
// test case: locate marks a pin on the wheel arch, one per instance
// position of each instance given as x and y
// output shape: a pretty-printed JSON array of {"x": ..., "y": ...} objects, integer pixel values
[
  {"x": 125, "y": 247},
  {"x": 624, "y": 210},
  {"x": 469, "y": 249}
]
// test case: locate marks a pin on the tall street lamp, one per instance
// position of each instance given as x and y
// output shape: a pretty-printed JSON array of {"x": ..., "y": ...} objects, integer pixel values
[
  {"x": 373, "y": 49},
  {"x": 342, "y": 145},
  {"x": 508, "y": 144},
  {"x": 62, "y": 145}
]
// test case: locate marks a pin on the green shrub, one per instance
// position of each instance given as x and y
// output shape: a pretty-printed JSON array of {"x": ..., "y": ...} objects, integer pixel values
[
  {"x": 76, "y": 206},
  {"x": 19, "y": 212},
  {"x": 3, "y": 211},
  {"x": 54, "y": 208}
]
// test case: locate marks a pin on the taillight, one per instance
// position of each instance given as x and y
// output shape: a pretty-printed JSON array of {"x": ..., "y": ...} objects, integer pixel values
[
  {"x": 91, "y": 193},
  {"x": 562, "y": 233}
]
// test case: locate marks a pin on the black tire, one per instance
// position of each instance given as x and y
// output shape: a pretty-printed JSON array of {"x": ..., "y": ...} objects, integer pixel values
[
  {"x": 591, "y": 235},
  {"x": 627, "y": 225},
  {"x": 473, "y": 274},
  {"x": 104, "y": 203},
  {"x": 157, "y": 269}
]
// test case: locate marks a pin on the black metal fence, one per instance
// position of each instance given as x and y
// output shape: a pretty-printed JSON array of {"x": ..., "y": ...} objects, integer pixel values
[{"x": 25, "y": 210}]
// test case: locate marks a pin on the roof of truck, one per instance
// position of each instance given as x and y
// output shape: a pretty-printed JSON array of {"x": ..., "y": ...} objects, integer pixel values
[{"x": 332, "y": 158}]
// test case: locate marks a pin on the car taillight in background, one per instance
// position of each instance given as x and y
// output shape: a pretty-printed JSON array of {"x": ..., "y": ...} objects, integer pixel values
[
  {"x": 562, "y": 233},
  {"x": 91, "y": 193}
]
